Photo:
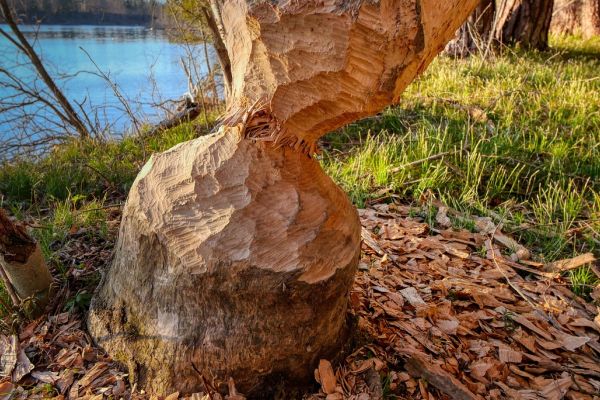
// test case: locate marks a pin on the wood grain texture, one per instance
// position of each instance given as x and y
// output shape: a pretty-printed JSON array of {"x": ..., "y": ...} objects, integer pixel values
[
  {"x": 15, "y": 243},
  {"x": 233, "y": 256},
  {"x": 321, "y": 64}
]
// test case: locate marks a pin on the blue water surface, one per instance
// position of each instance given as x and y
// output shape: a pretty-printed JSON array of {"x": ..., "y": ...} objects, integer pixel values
[{"x": 141, "y": 62}]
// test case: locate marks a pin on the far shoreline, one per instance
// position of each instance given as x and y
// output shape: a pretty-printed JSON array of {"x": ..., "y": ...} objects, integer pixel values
[{"x": 92, "y": 20}]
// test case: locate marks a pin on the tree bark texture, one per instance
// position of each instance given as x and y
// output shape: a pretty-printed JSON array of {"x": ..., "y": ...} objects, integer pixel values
[
  {"x": 576, "y": 17},
  {"x": 239, "y": 265},
  {"x": 494, "y": 23},
  {"x": 236, "y": 252},
  {"x": 523, "y": 22}
]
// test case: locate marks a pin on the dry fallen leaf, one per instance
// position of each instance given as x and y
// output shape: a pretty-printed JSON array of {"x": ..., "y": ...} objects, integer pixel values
[
  {"x": 507, "y": 355},
  {"x": 448, "y": 326},
  {"x": 485, "y": 330},
  {"x": 9, "y": 348},
  {"x": 172, "y": 396},
  {"x": 573, "y": 342},
  {"x": 412, "y": 296},
  {"x": 45, "y": 376},
  {"x": 22, "y": 367}
]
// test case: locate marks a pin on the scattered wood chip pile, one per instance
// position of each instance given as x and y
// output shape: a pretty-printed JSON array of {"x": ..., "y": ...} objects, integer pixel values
[
  {"x": 447, "y": 314},
  {"x": 439, "y": 314}
]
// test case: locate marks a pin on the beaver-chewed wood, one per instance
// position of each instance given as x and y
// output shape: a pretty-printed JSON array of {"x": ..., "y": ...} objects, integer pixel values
[
  {"x": 236, "y": 252},
  {"x": 233, "y": 258},
  {"x": 24, "y": 269}
]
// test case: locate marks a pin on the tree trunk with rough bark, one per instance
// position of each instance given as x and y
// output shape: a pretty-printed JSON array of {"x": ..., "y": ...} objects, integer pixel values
[
  {"x": 24, "y": 270},
  {"x": 576, "y": 17},
  {"x": 236, "y": 252},
  {"x": 523, "y": 22},
  {"x": 503, "y": 22}
]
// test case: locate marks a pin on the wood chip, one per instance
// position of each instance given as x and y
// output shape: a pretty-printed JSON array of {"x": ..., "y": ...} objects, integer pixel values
[
  {"x": 370, "y": 241},
  {"x": 327, "y": 377},
  {"x": 570, "y": 263},
  {"x": 424, "y": 295},
  {"x": 557, "y": 389},
  {"x": 448, "y": 326},
  {"x": 412, "y": 296},
  {"x": 419, "y": 366},
  {"x": 507, "y": 355},
  {"x": 574, "y": 342}
]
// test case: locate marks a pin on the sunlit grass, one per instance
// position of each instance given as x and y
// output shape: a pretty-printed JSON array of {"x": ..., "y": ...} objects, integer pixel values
[
  {"x": 520, "y": 139},
  {"x": 583, "y": 280}
]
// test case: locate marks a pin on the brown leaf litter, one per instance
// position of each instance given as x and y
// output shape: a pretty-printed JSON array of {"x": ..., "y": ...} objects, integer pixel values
[
  {"x": 439, "y": 314},
  {"x": 447, "y": 314}
]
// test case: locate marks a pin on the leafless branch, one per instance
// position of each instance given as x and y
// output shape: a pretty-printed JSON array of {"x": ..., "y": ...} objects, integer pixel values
[{"x": 69, "y": 115}]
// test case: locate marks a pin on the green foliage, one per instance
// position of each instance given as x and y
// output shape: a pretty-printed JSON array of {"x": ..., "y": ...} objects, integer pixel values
[
  {"x": 190, "y": 20},
  {"x": 514, "y": 137},
  {"x": 583, "y": 280},
  {"x": 66, "y": 217},
  {"x": 69, "y": 190},
  {"x": 17, "y": 181},
  {"x": 92, "y": 169}
]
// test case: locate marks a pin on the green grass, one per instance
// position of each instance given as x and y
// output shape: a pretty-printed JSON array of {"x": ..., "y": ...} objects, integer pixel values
[
  {"x": 583, "y": 280},
  {"x": 92, "y": 169},
  {"x": 71, "y": 188},
  {"x": 521, "y": 137}
]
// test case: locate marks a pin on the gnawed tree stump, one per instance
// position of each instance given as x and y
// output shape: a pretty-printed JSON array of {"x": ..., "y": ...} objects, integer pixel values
[
  {"x": 24, "y": 269},
  {"x": 236, "y": 252},
  {"x": 238, "y": 261}
]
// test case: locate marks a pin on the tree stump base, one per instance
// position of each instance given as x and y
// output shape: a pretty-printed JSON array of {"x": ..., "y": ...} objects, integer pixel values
[{"x": 234, "y": 259}]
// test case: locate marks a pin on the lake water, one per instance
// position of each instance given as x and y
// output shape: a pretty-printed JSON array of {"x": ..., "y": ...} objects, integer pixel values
[{"x": 142, "y": 63}]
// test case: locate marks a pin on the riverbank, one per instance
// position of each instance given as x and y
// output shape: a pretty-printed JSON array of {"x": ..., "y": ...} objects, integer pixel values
[
  {"x": 77, "y": 56},
  {"x": 514, "y": 138}
]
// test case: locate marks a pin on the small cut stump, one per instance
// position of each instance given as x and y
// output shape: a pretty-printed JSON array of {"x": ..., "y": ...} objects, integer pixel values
[{"x": 234, "y": 259}]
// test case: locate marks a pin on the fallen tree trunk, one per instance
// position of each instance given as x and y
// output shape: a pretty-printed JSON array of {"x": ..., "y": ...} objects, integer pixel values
[
  {"x": 187, "y": 115},
  {"x": 24, "y": 267},
  {"x": 236, "y": 252}
]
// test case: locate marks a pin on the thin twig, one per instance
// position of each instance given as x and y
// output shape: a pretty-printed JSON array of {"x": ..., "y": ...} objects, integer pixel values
[
  {"x": 548, "y": 318},
  {"x": 206, "y": 386},
  {"x": 115, "y": 90},
  {"x": 424, "y": 160}
]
